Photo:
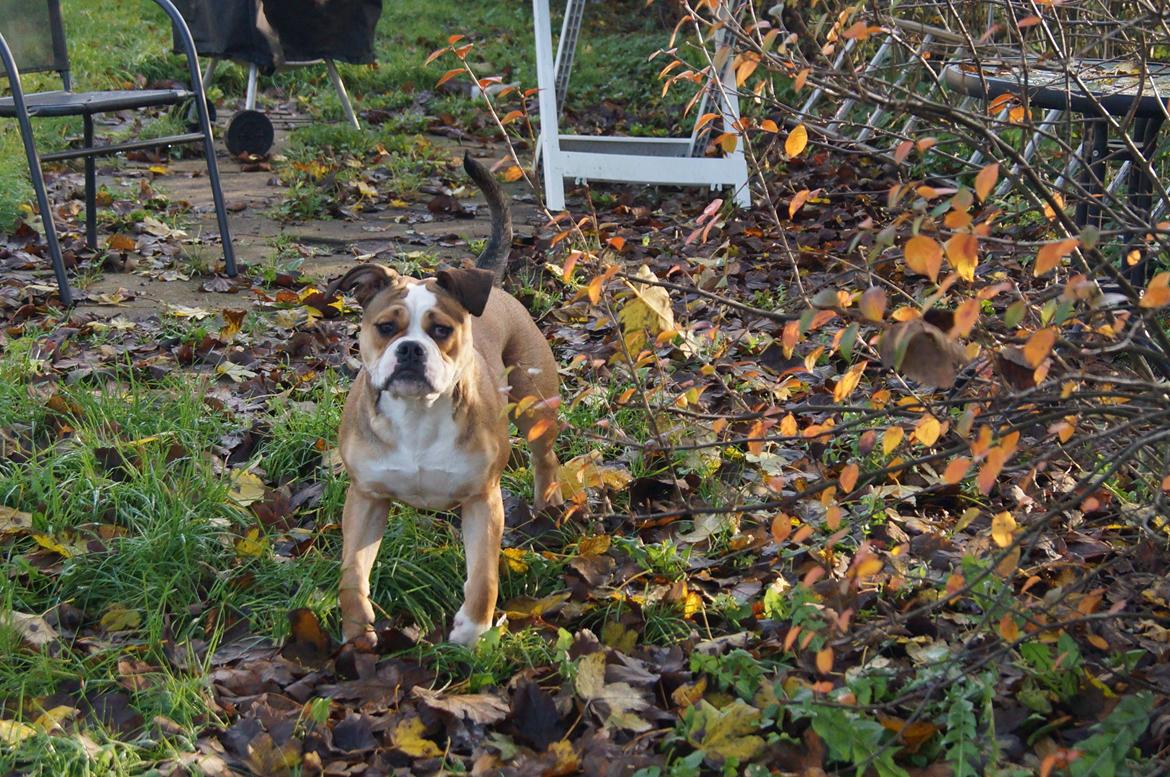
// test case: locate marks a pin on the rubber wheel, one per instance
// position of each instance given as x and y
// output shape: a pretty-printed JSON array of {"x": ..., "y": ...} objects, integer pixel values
[{"x": 249, "y": 132}]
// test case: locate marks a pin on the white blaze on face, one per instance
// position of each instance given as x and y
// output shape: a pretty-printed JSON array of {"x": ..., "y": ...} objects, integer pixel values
[{"x": 439, "y": 372}]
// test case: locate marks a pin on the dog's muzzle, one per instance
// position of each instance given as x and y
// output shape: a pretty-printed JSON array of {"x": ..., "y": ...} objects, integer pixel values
[{"x": 410, "y": 370}]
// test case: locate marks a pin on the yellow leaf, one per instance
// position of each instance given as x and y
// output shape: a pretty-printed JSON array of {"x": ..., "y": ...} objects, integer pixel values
[
  {"x": 767, "y": 125},
  {"x": 407, "y": 737},
  {"x": 13, "y": 732},
  {"x": 892, "y": 438},
  {"x": 927, "y": 430},
  {"x": 1003, "y": 526},
  {"x": 689, "y": 693},
  {"x": 13, "y": 521},
  {"x": 251, "y": 545},
  {"x": 566, "y": 761},
  {"x": 725, "y": 734},
  {"x": 868, "y": 567},
  {"x": 963, "y": 254},
  {"x": 121, "y": 618},
  {"x": 985, "y": 181},
  {"x": 594, "y": 546},
  {"x": 796, "y": 141},
  {"x": 649, "y": 308},
  {"x": 1157, "y": 294},
  {"x": 924, "y": 256},
  {"x": 586, "y": 471},
  {"x": 246, "y": 487},
  {"x": 514, "y": 558},
  {"x": 1050, "y": 254}
]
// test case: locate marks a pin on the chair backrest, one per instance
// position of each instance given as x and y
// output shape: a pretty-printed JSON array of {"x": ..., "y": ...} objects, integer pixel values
[{"x": 33, "y": 30}]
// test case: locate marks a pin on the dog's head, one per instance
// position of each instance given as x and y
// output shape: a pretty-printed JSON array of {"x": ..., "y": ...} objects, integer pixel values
[{"x": 415, "y": 338}]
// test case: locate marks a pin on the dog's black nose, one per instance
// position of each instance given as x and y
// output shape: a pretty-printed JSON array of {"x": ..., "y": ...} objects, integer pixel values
[{"x": 410, "y": 353}]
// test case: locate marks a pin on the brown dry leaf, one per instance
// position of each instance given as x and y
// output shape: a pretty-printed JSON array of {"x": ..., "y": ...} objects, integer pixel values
[
  {"x": 586, "y": 471},
  {"x": 34, "y": 630},
  {"x": 922, "y": 352},
  {"x": 621, "y": 700},
  {"x": 481, "y": 708}
]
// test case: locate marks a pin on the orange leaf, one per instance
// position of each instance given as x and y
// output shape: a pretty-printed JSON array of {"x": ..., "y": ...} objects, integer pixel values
[
  {"x": 848, "y": 382},
  {"x": 1039, "y": 345},
  {"x": 539, "y": 428},
  {"x": 1008, "y": 628},
  {"x": 781, "y": 528},
  {"x": 796, "y": 141},
  {"x": 873, "y": 303},
  {"x": 513, "y": 173},
  {"x": 927, "y": 430},
  {"x": 801, "y": 78},
  {"x": 963, "y": 254},
  {"x": 797, "y": 202},
  {"x": 825, "y": 660},
  {"x": 767, "y": 125},
  {"x": 985, "y": 181},
  {"x": 617, "y": 243},
  {"x": 120, "y": 242},
  {"x": 512, "y": 116},
  {"x": 966, "y": 314},
  {"x": 892, "y": 438},
  {"x": 1157, "y": 294},
  {"x": 956, "y": 470},
  {"x": 924, "y": 256},
  {"x": 1050, "y": 254},
  {"x": 704, "y": 120},
  {"x": 448, "y": 76},
  {"x": 992, "y": 466},
  {"x": 848, "y": 477},
  {"x": 436, "y": 54}
]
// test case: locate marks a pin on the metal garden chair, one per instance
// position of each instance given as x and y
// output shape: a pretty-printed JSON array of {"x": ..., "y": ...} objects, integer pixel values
[{"x": 32, "y": 35}]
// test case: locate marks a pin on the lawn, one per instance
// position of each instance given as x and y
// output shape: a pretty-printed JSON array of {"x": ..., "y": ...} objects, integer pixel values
[{"x": 783, "y": 552}]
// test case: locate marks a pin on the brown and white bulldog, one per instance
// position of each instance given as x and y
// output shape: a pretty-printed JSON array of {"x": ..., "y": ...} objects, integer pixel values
[{"x": 425, "y": 422}]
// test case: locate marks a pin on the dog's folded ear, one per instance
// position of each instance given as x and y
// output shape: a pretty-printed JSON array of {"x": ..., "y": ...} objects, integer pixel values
[
  {"x": 470, "y": 287},
  {"x": 365, "y": 280}
]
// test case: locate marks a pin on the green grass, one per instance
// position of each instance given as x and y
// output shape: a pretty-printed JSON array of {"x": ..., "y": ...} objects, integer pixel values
[{"x": 172, "y": 556}]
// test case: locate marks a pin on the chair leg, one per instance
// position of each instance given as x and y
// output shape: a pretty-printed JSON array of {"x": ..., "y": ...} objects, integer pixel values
[
  {"x": 225, "y": 235},
  {"x": 90, "y": 188},
  {"x": 38, "y": 183},
  {"x": 342, "y": 95}
]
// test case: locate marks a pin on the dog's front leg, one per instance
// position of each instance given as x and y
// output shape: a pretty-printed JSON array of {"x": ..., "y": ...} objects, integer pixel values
[
  {"x": 483, "y": 525},
  {"x": 362, "y": 524}
]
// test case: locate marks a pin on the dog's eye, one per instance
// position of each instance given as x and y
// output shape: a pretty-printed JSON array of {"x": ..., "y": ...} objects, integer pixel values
[
  {"x": 387, "y": 328},
  {"x": 440, "y": 332}
]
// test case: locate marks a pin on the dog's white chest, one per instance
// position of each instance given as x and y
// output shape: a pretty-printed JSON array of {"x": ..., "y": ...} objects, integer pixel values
[{"x": 424, "y": 467}]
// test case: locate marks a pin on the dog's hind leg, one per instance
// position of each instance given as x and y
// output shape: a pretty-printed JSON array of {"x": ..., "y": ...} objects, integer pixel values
[
  {"x": 539, "y": 381},
  {"x": 363, "y": 523}
]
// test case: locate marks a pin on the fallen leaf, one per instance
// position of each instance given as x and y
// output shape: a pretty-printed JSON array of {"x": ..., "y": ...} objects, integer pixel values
[
  {"x": 407, "y": 736},
  {"x": 724, "y": 734}
]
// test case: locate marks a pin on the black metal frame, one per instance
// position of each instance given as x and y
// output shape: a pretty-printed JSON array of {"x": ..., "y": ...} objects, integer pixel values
[{"x": 89, "y": 151}]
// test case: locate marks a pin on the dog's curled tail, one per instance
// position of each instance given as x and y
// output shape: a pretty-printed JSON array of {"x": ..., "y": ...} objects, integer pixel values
[{"x": 495, "y": 254}]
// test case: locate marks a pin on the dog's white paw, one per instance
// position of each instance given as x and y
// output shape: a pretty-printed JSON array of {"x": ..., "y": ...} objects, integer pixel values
[{"x": 465, "y": 631}]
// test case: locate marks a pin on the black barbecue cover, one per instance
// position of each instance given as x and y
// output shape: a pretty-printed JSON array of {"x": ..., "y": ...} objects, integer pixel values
[{"x": 307, "y": 29}]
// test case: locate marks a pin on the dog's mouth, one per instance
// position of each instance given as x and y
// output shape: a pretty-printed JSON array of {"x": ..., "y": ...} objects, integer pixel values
[{"x": 408, "y": 382}]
